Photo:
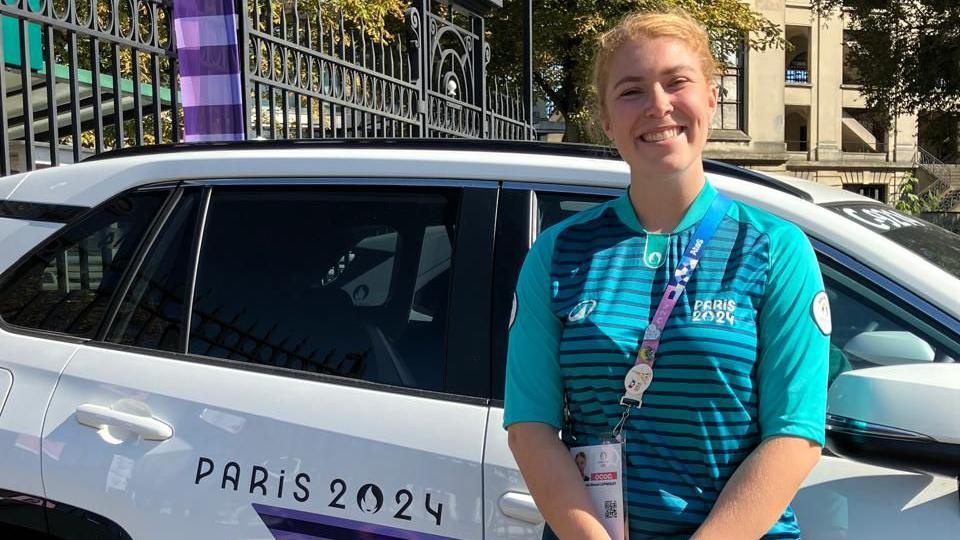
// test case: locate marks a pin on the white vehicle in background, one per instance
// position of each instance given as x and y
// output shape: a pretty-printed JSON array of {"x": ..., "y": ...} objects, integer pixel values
[{"x": 271, "y": 340}]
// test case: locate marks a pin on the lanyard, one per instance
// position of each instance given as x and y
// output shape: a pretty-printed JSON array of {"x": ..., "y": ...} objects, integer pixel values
[{"x": 640, "y": 376}]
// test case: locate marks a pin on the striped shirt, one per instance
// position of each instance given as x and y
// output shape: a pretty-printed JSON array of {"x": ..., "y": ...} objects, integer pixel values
[{"x": 742, "y": 357}]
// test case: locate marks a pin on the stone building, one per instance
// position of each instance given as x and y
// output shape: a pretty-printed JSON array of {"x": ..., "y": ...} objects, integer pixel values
[{"x": 799, "y": 110}]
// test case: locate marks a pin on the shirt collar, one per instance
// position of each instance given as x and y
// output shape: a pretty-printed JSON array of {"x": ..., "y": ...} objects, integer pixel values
[{"x": 694, "y": 214}]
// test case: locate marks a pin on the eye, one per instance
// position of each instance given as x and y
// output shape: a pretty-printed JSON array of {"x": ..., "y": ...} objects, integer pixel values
[
  {"x": 680, "y": 81},
  {"x": 633, "y": 91}
]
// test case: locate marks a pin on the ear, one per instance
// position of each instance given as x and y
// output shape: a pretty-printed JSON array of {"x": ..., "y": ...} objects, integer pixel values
[
  {"x": 605, "y": 124},
  {"x": 714, "y": 96}
]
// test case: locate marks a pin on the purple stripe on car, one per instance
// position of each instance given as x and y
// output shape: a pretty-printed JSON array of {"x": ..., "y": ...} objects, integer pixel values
[{"x": 286, "y": 520}]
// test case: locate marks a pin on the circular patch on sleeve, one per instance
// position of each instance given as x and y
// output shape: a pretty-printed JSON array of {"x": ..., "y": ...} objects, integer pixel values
[
  {"x": 513, "y": 312},
  {"x": 821, "y": 313}
]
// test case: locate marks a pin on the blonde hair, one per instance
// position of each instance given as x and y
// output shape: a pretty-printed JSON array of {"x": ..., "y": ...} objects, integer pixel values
[{"x": 650, "y": 25}]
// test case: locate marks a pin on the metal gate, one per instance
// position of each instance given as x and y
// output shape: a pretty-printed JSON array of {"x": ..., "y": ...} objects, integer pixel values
[{"x": 84, "y": 76}]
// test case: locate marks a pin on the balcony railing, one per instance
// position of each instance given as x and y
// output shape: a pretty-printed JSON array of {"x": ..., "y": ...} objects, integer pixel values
[{"x": 798, "y": 76}]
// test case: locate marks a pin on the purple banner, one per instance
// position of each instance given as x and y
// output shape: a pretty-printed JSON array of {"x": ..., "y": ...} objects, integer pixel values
[{"x": 210, "y": 78}]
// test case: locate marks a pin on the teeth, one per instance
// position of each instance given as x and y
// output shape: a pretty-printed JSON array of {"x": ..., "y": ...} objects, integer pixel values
[{"x": 658, "y": 136}]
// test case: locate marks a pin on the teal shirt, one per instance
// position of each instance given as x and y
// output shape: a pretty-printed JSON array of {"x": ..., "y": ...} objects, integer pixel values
[{"x": 742, "y": 357}]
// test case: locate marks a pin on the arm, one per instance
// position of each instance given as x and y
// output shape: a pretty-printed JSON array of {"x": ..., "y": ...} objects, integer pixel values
[
  {"x": 761, "y": 488},
  {"x": 554, "y": 481},
  {"x": 791, "y": 382}
]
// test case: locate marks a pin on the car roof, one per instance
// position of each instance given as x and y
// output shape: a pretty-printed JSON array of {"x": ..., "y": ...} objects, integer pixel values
[
  {"x": 821, "y": 193},
  {"x": 98, "y": 177}
]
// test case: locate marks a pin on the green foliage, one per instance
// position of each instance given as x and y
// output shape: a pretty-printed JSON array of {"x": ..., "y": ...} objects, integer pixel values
[
  {"x": 565, "y": 33},
  {"x": 912, "y": 202},
  {"x": 378, "y": 17},
  {"x": 907, "y": 53}
]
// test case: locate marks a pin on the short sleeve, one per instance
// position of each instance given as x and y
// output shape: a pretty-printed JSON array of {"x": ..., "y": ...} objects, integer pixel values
[
  {"x": 534, "y": 391},
  {"x": 793, "y": 332}
]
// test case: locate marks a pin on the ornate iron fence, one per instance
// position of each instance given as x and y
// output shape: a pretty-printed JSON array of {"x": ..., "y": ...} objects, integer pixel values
[
  {"x": 82, "y": 76},
  {"x": 305, "y": 79}
]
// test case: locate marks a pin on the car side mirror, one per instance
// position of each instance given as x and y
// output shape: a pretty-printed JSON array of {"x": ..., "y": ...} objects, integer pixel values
[
  {"x": 902, "y": 417},
  {"x": 889, "y": 348}
]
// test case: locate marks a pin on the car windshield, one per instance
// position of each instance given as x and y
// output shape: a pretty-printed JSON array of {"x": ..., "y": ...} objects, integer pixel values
[{"x": 938, "y": 245}]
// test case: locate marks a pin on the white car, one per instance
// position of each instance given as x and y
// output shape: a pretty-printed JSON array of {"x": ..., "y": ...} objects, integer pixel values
[{"x": 279, "y": 340}]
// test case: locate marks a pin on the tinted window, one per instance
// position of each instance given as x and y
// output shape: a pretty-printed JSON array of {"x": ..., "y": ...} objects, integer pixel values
[
  {"x": 66, "y": 286},
  {"x": 151, "y": 315},
  {"x": 349, "y": 282},
  {"x": 553, "y": 207}
]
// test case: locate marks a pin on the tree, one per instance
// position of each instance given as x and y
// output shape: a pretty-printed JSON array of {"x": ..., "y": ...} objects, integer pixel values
[
  {"x": 565, "y": 34},
  {"x": 907, "y": 53}
]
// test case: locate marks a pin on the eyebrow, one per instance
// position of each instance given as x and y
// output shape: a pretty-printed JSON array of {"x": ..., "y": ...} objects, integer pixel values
[{"x": 670, "y": 71}]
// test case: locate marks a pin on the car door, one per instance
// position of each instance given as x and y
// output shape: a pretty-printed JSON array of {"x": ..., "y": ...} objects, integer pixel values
[
  {"x": 51, "y": 300},
  {"x": 840, "y": 498},
  {"x": 524, "y": 210},
  {"x": 278, "y": 366}
]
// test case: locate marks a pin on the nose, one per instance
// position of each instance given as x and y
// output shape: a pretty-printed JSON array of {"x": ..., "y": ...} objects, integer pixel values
[{"x": 658, "y": 104}]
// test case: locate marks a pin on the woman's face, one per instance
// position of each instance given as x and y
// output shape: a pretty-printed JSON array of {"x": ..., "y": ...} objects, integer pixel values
[{"x": 659, "y": 105}]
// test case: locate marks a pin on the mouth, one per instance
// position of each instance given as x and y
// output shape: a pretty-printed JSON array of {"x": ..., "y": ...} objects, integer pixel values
[{"x": 662, "y": 134}]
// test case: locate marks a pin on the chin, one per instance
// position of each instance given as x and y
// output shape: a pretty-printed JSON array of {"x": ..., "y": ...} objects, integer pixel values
[{"x": 662, "y": 166}]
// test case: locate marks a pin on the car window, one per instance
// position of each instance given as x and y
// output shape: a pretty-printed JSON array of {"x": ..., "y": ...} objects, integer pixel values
[
  {"x": 151, "y": 314},
  {"x": 350, "y": 282},
  {"x": 554, "y": 207},
  {"x": 67, "y": 284},
  {"x": 871, "y": 328}
]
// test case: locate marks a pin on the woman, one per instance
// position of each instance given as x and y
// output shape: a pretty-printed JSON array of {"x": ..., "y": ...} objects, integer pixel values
[{"x": 733, "y": 419}]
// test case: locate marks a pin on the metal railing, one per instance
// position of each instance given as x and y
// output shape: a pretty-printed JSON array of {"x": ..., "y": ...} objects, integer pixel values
[
  {"x": 798, "y": 76},
  {"x": 306, "y": 80},
  {"x": 80, "y": 77},
  {"x": 945, "y": 187},
  {"x": 84, "y": 76}
]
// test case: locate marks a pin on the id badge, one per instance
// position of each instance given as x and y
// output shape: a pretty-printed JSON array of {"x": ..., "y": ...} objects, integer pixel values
[{"x": 601, "y": 467}]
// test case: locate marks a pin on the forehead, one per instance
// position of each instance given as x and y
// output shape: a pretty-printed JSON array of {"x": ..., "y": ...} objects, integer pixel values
[{"x": 648, "y": 57}]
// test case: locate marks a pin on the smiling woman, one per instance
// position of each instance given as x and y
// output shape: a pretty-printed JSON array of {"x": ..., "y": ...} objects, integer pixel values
[{"x": 725, "y": 300}]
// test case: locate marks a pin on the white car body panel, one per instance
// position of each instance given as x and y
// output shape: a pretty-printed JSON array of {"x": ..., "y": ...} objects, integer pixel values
[
  {"x": 18, "y": 237},
  {"x": 35, "y": 364},
  {"x": 842, "y": 500},
  {"x": 328, "y": 431},
  {"x": 502, "y": 477},
  {"x": 10, "y": 183}
]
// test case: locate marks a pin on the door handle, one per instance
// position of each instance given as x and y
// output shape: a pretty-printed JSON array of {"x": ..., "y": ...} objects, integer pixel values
[
  {"x": 147, "y": 427},
  {"x": 520, "y": 506}
]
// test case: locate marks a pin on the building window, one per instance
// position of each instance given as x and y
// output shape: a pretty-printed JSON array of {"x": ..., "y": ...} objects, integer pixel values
[
  {"x": 730, "y": 83},
  {"x": 851, "y": 75},
  {"x": 874, "y": 191}
]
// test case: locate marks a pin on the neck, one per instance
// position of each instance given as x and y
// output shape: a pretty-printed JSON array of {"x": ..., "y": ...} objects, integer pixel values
[{"x": 660, "y": 203}]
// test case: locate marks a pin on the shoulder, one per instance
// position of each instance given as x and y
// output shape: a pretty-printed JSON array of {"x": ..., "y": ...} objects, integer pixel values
[{"x": 779, "y": 233}]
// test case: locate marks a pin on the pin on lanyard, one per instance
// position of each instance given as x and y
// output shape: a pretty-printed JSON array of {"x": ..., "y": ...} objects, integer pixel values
[{"x": 640, "y": 376}]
